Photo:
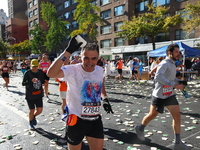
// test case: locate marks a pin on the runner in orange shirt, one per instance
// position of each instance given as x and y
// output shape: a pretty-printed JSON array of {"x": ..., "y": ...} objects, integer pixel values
[{"x": 119, "y": 66}]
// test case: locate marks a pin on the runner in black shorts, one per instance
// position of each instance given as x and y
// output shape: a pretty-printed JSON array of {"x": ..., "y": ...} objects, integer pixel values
[
  {"x": 161, "y": 103},
  {"x": 33, "y": 80},
  {"x": 5, "y": 73}
]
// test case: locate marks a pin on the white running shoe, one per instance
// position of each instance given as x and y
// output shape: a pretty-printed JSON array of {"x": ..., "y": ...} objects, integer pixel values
[{"x": 140, "y": 134}]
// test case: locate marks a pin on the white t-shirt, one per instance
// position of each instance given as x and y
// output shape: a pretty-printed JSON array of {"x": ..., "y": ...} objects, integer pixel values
[{"x": 84, "y": 90}]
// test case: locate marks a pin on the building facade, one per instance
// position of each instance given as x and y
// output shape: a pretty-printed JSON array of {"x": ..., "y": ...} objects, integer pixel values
[
  {"x": 17, "y": 9},
  {"x": 114, "y": 12}
]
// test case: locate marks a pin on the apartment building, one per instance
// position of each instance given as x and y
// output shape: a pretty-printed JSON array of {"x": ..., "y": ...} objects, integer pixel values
[
  {"x": 113, "y": 13},
  {"x": 17, "y": 9}
]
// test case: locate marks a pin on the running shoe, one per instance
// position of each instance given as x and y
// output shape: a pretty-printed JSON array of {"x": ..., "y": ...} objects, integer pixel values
[
  {"x": 31, "y": 127},
  {"x": 48, "y": 99},
  {"x": 181, "y": 146},
  {"x": 140, "y": 134},
  {"x": 34, "y": 121}
]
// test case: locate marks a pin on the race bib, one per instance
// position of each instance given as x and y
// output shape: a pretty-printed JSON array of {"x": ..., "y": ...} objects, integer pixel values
[
  {"x": 90, "y": 110},
  {"x": 167, "y": 90},
  {"x": 5, "y": 69}
]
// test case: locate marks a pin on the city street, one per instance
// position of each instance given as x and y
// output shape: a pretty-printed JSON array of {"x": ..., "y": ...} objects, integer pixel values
[{"x": 130, "y": 102}]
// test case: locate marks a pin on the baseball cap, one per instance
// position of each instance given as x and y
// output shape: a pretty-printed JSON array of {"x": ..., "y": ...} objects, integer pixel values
[{"x": 34, "y": 63}]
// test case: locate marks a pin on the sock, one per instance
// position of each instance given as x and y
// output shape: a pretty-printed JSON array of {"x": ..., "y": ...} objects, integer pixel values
[
  {"x": 141, "y": 127},
  {"x": 31, "y": 122},
  {"x": 177, "y": 138}
]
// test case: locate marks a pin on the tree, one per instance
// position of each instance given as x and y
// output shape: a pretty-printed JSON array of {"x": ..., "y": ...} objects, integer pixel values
[
  {"x": 57, "y": 31},
  {"x": 38, "y": 39},
  {"x": 150, "y": 23},
  {"x": 192, "y": 17},
  {"x": 87, "y": 19},
  {"x": 3, "y": 48},
  {"x": 21, "y": 47}
]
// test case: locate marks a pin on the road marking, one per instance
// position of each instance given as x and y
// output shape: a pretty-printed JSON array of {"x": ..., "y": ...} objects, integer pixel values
[
  {"x": 187, "y": 138},
  {"x": 15, "y": 110}
]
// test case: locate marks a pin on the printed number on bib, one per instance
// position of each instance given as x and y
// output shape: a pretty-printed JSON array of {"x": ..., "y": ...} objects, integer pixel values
[
  {"x": 90, "y": 110},
  {"x": 167, "y": 90}
]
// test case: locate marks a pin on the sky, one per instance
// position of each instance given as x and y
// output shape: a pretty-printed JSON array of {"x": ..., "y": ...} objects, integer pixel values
[{"x": 4, "y": 6}]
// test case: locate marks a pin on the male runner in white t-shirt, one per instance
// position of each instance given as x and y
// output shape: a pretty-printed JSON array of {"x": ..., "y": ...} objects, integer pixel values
[{"x": 85, "y": 88}]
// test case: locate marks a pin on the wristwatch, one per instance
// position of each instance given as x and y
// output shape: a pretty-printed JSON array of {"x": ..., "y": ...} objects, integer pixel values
[{"x": 63, "y": 58}]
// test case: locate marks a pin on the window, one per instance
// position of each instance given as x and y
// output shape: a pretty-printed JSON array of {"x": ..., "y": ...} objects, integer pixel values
[
  {"x": 60, "y": 16},
  {"x": 160, "y": 2},
  {"x": 73, "y": 1},
  {"x": 119, "y": 10},
  {"x": 141, "y": 6},
  {"x": 162, "y": 37},
  {"x": 104, "y": 2},
  {"x": 67, "y": 15},
  {"x": 68, "y": 26},
  {"x": 117, "y": 26},
  {"x": 36, "y": 21},
  {"x": 30, "y": 5},
  {"x": 34, "y": 2},
  {"x": 106, "y": 29},
  {"x": 141, "y": 40},
  {"x": 67, "y": 3},
  {"x": 106, "y": 14},
  {"x": 74, "y": 24},
  {"x": 94, "y": 2},
  {"x": 105, "y": 43},
  {"x": 59, "y": 7},
  {"x": 31, "y": 24},
  {"x": 73, "y": 12},
  {"x": 30, "y": 14},
  {"x": 35, "y": 11},
  {"x": 119, "y": 41},
  {"x": 180, "y": 35},
  {"x": 183, "y": 14}
]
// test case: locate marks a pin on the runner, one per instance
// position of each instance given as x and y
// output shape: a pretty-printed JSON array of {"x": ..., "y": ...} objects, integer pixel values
[
  {"x": 44, "y": 65},
  {"x": 33, "y": 80},
  {"x": 164, "y": 96},
  {"x": 85, "y": 87},
  {"x": 5, "y": 70},
  {"x": 119, "y": 66},
  {"x": 23, "y": 67}
]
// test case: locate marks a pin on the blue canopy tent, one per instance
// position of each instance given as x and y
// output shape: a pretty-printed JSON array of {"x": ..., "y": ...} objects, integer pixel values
[{"x": 185, "y": 50}]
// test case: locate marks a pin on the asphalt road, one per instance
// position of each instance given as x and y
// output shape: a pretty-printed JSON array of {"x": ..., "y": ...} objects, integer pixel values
[{"x": 130, "y": 103}]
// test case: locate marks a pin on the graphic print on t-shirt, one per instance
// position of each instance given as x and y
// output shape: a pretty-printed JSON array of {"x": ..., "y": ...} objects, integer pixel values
[{"x": 90, "y": 98}]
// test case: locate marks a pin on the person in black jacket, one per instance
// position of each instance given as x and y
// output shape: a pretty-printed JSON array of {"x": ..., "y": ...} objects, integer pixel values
[{"x": 33, "y": 80}]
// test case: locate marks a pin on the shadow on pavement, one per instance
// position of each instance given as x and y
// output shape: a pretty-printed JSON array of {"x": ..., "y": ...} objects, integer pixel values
[
  {"x": 17, "y": 92},
  {"x": 131, "y": 138},
  {"x": 197, "y": 115},
  {"x": 59, "y": 140}
]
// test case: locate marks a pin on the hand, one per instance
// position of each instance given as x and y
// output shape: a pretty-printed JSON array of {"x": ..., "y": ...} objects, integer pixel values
[
  {"x": 73, "y": 45},
  {"x": 107, "y": 107},
  {"x": 179, "y": 86}
]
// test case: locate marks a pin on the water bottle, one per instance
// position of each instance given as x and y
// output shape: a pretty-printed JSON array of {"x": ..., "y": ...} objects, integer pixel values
[{"x": 185, "y": 93}]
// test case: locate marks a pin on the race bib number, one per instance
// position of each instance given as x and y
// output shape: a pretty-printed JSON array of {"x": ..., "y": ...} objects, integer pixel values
[
  {"x": 167, "y": 90},
  {"x": 90, "y": 110}
]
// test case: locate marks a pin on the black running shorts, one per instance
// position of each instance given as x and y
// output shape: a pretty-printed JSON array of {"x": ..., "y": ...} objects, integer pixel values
[
  {"x": 119, "y": 71},
  {"x": 76, "y": 133},
  {"x": 32, "y": 103},
  {"x": 5, "y": 75},
  {"x": 160, "y": 103},
  {"x": 45, "y": 76}
]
